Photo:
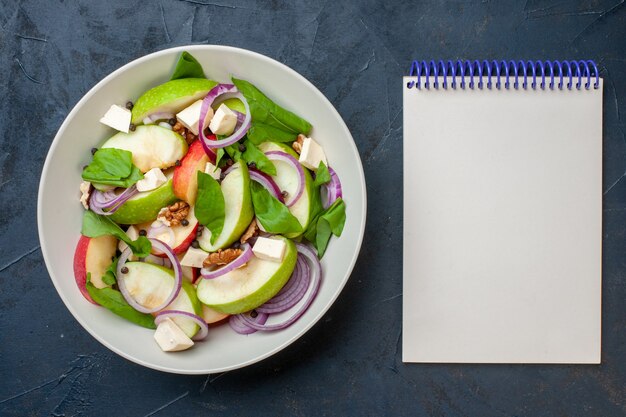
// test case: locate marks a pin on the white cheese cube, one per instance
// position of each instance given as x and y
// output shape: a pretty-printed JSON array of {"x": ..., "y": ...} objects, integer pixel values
[
  {"x": 151, "y": 180},
  {"x": 170, "y": 337},
  {"x": 133, "y": 233},
  {"x": 190, "y": 116},
  {"x": 213, "y": 171},
  {"x": 312, "y": 154},
  {"x": 224, "y": 121},
  {"x": 85, "y": 193},
  {"x": 117, "y": 117},
  {"x": 269, "y": 249},
  {"x": 194, "y": 257}
]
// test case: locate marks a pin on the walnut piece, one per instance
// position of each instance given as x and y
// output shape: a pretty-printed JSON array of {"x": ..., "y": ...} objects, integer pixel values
[
  {"x": 179, "y": 128},
  {"x": 297, "y": 145},
  {"x": 85, "y": 190},
  {"x": 184, "y": 132},
  {"x": 251, "y": 231},
  {"x": 221, "y": 257},
  {"x": 174, "y": 214}
]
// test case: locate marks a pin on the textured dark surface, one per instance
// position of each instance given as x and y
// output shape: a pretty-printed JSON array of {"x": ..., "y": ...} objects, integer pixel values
[{"x": 53, "y": 51}]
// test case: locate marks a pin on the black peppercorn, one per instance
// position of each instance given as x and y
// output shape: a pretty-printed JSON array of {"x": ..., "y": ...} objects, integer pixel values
[
  {"x": 195, "y": 244},
  {"x": 172, "y": 121},
  {"x": 229, "y": 162},
  {"x": 252, "y": 165},
  {"x": 177, "y": 163},
  {"x": 94, "y": 150},
  {"x": 132, "y": 127},
  {"x": 124, "y": 270},
  {"x": 242, "y": 147},
  {"x": 184, "y": 222},
  {"x": 253, "y": 314},
  {"x": 285, "y": 194},
  {"x": 129, "y": 105},
  {"x": 143, "y": 232}
]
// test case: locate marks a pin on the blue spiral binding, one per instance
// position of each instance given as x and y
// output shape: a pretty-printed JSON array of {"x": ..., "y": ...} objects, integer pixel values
[{"x": 568, "y": 74}]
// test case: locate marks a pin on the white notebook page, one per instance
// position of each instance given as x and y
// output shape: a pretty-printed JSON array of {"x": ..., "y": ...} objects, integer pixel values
[{"x": 502, "y": 225}]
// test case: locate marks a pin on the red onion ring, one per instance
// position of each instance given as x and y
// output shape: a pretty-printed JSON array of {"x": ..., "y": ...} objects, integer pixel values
[
  {"x": 285, "y": 157},
  {"x": 99, "y": 201},
  {"x": 204, "y": 328},
  {"x": 230, "y": 169},
  {"x": 333, "y": 188},
  {"x": 178, "y": 278},
  {"x": 237, "y": 324},
  {"x": 224, "y": 92},
  {"x": 316, "y": 279},
  {"x": 267, "y": 182},
  {"x": 237, "y": 263},
  {"x": 293, "y": 295}
]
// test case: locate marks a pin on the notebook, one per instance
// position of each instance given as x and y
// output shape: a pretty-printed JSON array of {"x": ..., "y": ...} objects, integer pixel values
[{"x": 502, "y": 212}]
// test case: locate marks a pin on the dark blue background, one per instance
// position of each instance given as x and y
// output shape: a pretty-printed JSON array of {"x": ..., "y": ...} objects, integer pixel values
[{"x": 52, "y": 52}]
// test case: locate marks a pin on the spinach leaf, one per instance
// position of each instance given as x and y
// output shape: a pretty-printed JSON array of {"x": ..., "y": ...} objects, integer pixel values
[
  {"x": 233, "y": 151},
  {"x": 112, "y": 167},
  {"x": 253, "y": 154},
  {"x": 109, "y": 277},
  {"x": 114, "y": 300},
  {"x": 95, "y": 225},
  {"x": 322, "y": 175},
  {"x": 187, "y": 67},
  {"x": 273, "y": 215},
  {"x": 210, "y": 206},
  {"x": 260, "y": 132},
  {"x": 219, "y": 155},
  {"x": 264, "y": 110},
  {"x": 329, "y": 222}
]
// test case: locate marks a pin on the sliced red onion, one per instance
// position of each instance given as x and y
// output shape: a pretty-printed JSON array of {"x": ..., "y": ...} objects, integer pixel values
[
  {"x": 109, "y": 200},
  {"x": 224, "y": 92},
  {"x": 154, "y": 260},
  {"x": 267, "y": 182},
  {"x": 178, "y": 277},
  {"x": 283, "y": 301},
  {"x": 237, "y": 263},
  {"x": 333, "y": 188},
  {"x": 157, "y": 116},
  {"x": 230, "y": 169},
  {"x": 238, "y": 325},
  {"x": 204, "y": 328},
  {"x": 316, "y": 279},
  {"x": 285, "y": 157}
]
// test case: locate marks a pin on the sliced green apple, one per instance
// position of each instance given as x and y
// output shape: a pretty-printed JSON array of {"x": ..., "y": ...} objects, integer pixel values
[
  {"x": 170, "y": 97},
  {"x": 310, "y": 203},
  {"x": 152, "y": 146},
  {"x": 144, "y": 207},
  {"x": 150, "y": 285},
  {"x": 238, "y": 209},
  {"x": 248, "y": 287}
]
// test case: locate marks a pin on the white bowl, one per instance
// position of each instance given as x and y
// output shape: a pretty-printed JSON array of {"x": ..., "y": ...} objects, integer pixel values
[{"x": 59, "y": 212}]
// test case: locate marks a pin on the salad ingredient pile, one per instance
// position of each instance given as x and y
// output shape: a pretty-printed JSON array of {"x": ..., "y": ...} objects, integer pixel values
[{"x": 211, "y": 204}]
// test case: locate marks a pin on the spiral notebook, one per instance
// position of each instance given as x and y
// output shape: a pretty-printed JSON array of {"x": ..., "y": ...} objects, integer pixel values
[{"x": 502, "y": 212}]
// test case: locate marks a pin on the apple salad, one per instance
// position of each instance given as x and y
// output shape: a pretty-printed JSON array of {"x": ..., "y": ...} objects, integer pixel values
[{"x": 210, "y": 204}]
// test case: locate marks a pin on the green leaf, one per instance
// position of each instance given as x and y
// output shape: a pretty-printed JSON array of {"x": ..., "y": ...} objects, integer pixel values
[
  {"x": 112, "y": 167},
  {"x": 219, "y": 155},
  {"x": 114, "y": 300},
  {"x": 95, "y": 225},
  {"x": 322, "y": 175},
  {"x": 260, "y": 132},
  {"x": 274, "y": 216},
  {"x": 329, "y": 222},
  {"x": 233, "y": 151},
  {"x": 109, "y": 277},
  {"x": 253, "y": 155},
  {"x": 210, "y": 206},
  {"x": 187, "y": 67},
  {"x": 264, "y": 110}
]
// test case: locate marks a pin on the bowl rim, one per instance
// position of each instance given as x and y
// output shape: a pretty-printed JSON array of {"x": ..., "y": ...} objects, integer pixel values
[{"x": 97, "y": 87}]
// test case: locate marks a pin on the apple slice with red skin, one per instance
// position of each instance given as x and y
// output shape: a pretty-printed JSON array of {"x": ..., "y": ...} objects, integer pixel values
[
  {"x": 183, "y": 235},
  {"x": 185, "y": 181},
  {"x": 93, "y": 255}
]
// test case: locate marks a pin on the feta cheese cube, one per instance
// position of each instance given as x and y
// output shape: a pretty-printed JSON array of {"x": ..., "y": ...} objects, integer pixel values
[
  {"x": 213, "y": 171},
  {"x": 151, "y": 180},
  {"x": 170, "y": 337},
  {"x": 312, "y": 154},
  {"x": 85, "y": 192},
  {"x": 194, "y": 257},
  {"x": 224, "y": 121},
  {"x": 269, "y": 249},
  {"x": 117, "y": 117},
  {"x": 190, "y": 116},
  {"x": 133, "y": 233}
]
